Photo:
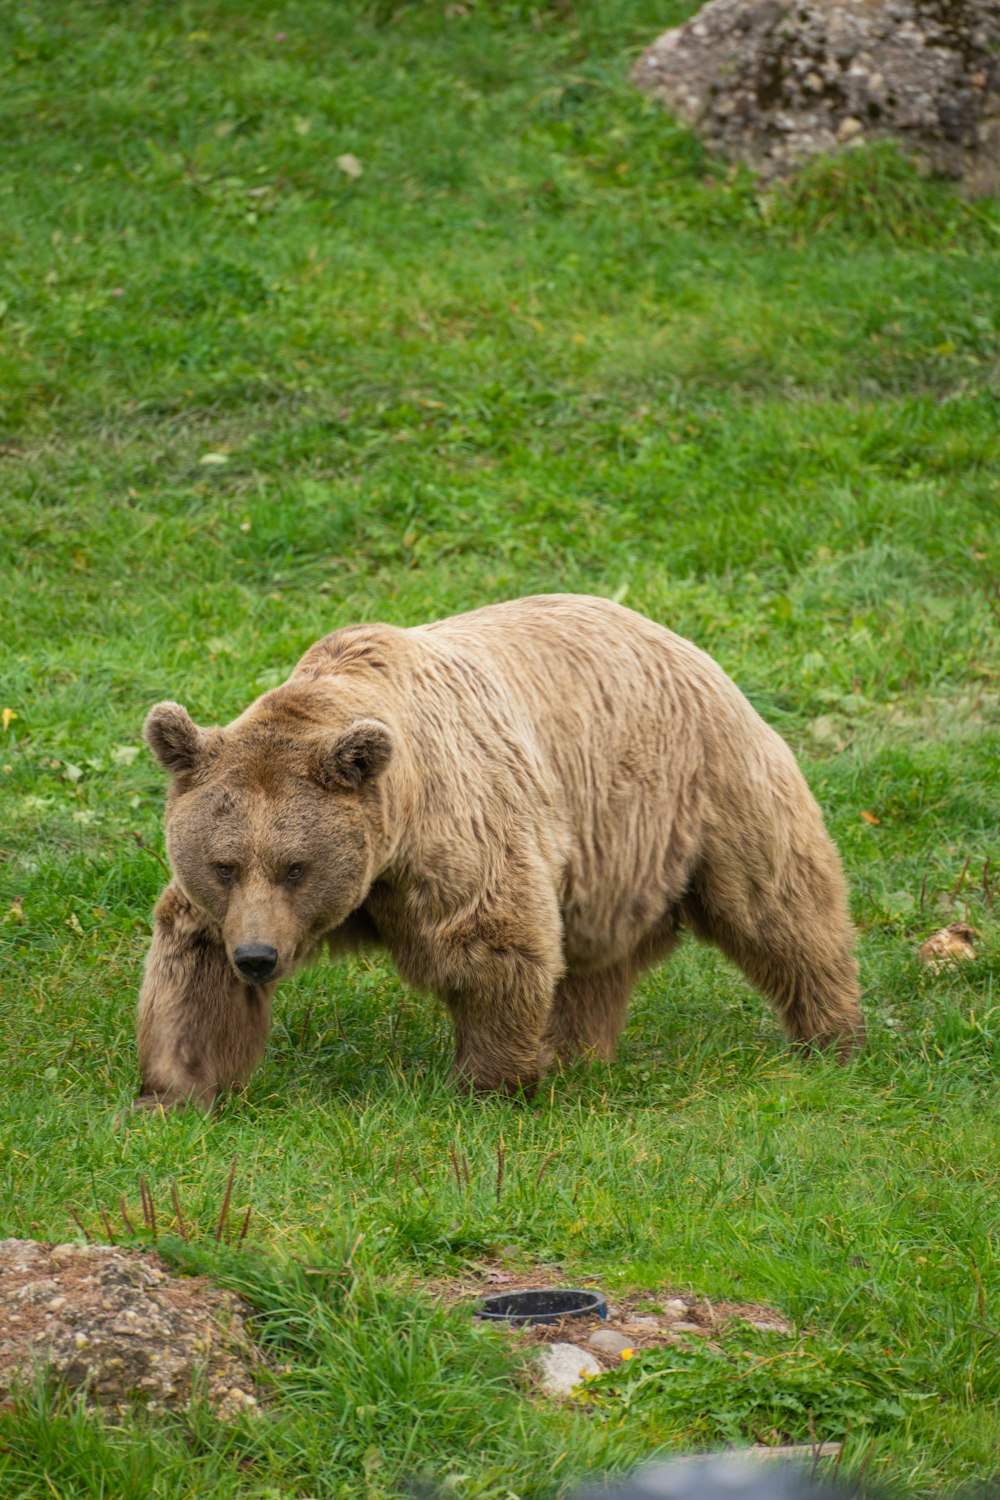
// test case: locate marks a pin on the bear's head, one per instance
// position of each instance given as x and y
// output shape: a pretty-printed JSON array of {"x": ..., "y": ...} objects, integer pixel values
[{"x": 277, "y": 824}]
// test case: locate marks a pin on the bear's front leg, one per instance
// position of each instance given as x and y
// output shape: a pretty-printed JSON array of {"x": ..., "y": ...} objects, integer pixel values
[
  {"x": 502, "y": 1003},
  {"x": 200, "y": 1029},
  {"x": 497, "y": 1050}
]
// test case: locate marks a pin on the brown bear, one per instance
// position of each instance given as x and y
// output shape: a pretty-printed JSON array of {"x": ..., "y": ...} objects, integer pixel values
[{"x": 525, "y": 805}]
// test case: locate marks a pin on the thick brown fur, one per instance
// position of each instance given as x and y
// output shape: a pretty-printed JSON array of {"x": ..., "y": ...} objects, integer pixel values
[{"x": 525, "y": 805}]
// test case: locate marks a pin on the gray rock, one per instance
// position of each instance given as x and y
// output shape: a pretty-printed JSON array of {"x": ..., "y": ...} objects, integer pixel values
[
  {"x": 772, "y": 82},
  {"x": 774, "y": 1324},
  {"x": 564, "y": 1366},
  {"x": 610, "y": 1340}
]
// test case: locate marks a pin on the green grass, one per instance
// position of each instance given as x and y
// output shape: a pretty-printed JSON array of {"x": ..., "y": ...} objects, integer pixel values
[{"x": 543, "y": 342}]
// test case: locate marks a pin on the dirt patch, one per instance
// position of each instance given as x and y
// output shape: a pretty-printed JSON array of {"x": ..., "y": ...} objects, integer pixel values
[
  {"x": 648, "y": 1320},
  {"x": 121, "y": 1328}
]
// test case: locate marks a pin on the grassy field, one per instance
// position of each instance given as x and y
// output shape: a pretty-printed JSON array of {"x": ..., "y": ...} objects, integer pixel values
[{"x": 541, "y": 342}]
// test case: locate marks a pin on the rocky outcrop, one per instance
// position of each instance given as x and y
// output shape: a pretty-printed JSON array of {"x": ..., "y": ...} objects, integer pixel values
[
  {"x": 772, "y": 82},
  {"x": 117, "y": 1326}
]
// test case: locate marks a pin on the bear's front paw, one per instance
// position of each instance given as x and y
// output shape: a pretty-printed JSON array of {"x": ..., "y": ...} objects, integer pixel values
[
  {"x": 491, "y": 1081},
  {"x": 842, "y": 1046}
]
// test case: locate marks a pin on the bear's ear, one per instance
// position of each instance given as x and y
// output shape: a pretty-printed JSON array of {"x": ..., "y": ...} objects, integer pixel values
[
  {"x": 174, "y": 737},
  {"x": 357, "y": 756}
]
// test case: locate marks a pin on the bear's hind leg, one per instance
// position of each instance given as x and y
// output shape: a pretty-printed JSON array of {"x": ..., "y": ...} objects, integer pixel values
[
  {"x": 200, "y": 1029},
  {"x": 588, "y": 1012},
  {"x": 796, "y": 950}
]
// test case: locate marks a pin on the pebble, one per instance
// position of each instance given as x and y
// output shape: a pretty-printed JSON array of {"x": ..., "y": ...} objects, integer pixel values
[
  {"x": 652, "y": 1325},
  {"x": 849, "y": 127},
  {"x": 676, "y": 1307},
  {"x": 688, "y": 1328},
  {"x": 565, "y": 1366},
  {"x": 610, "y": 1340}
]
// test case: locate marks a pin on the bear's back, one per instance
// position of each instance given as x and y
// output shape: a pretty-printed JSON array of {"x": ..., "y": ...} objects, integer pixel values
[
  {"x": 624, "y": 718},
  {"x": 589, "y": 676}
]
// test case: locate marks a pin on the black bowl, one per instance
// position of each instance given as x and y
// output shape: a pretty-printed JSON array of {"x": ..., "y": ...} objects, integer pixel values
[{"x": 542, "y": 1305}]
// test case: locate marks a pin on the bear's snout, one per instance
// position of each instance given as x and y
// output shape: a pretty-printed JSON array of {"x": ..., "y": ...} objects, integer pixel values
[{"x": 256, "y": 961}]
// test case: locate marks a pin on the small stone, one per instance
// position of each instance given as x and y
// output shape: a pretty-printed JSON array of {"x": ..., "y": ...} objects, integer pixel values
[
  {"x": 36, "y": 1291},
  {"x": 689, "y": 1328},
  {"x": 676, "y": 1307},
  {"x": 647, "y": 1325},
  {"x": 565, "y": 1366},
  {"x": 814, "y": 82},
  {"x": 609, "y": 1340},
  {"x": 849, "y": 127}
]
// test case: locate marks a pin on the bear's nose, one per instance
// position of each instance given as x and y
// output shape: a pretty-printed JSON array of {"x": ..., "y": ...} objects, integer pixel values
[{"x": 255, "y": 961}]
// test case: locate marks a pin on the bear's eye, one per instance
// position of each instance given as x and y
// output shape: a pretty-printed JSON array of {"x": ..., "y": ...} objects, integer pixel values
[
  {"x": 294, "y": 872},
  {"x": 226, "y": 873}
]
